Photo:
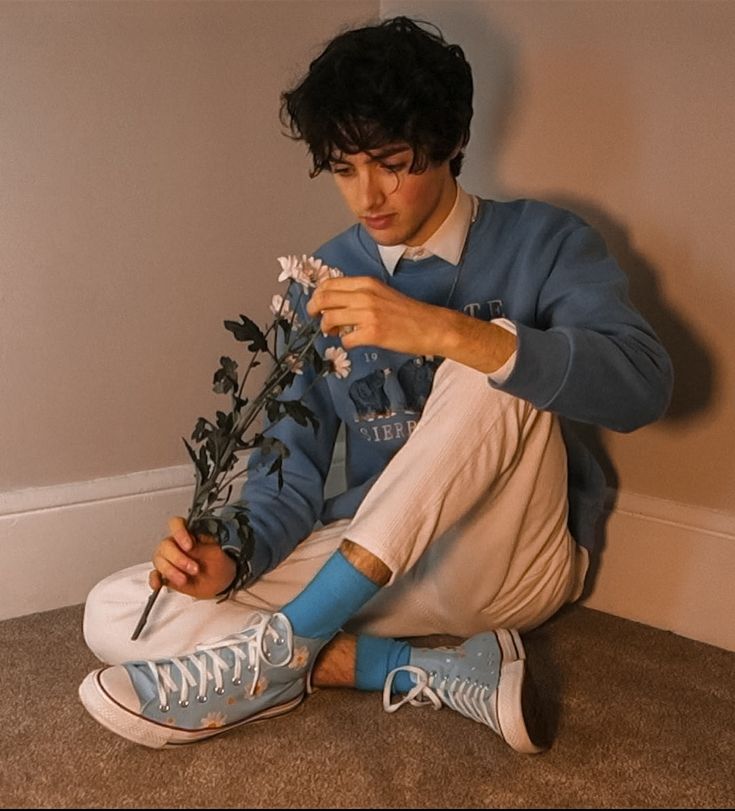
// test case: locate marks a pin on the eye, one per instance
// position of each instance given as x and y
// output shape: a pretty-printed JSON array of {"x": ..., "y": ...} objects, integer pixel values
[
  {"x": 341, "y": 170},
  {"x": 394, "y": 167}
]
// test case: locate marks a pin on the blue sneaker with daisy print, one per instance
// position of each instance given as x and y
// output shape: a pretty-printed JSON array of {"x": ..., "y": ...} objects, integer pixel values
[
  {"x": 258, "y": 673},
  {"x": 486, "y": 678}
]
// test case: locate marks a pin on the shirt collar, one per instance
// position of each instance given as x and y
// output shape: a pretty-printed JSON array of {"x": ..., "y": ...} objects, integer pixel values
[{"x": 447, "y": 242}]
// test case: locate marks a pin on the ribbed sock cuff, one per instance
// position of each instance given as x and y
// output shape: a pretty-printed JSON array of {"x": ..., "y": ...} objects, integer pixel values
[
  {"x": 376, "y": 657},
  {"x": 334, "y": 595}
]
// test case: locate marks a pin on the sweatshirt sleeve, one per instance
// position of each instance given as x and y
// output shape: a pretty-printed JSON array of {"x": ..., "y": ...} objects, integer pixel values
[
  {"x": 589, "y": 355},
  {"x": 281, "y": 518}
]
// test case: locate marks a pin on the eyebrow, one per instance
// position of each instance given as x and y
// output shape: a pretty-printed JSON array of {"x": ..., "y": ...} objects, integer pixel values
[{"x": 376, "y": 155}]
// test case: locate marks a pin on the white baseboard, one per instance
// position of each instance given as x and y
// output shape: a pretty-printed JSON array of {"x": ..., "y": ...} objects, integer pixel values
[
  {"x": 57, "y": 542},
  {"x": 669, "y": 565},
  {"x": 666, "y": 564}
]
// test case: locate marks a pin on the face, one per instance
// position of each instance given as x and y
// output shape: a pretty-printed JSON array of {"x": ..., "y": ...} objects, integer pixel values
[{"x": 394, "y": 205}]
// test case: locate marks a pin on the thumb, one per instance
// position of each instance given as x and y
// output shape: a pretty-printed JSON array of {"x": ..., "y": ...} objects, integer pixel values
[{"x": 177, "y": 528}]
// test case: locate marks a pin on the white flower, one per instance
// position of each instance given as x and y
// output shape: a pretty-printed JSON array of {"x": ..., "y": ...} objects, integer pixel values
[
  {"x": 295, "y": 363},
  {"x": 302, "y": 270},
  {"x": 339, "y": 363},
  {"x": 300, "y": 658},
  {"x": 308, "y": 271},
  {"x": 325, "y": 272},
  {"x": 280, "y": 306},
  {"x": 258, "y": 688},
  {"x": 212, "y": 720},
  {"x": 290, "y": 267}
]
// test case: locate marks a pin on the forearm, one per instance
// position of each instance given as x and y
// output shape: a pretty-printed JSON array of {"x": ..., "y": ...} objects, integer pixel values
[
  {"x": 619, "y": 382},
  {"x": 481, "y": 345}
]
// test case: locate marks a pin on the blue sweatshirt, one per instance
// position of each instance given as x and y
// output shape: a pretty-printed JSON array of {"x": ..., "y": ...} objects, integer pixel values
[{"x": 584, "y": 353}]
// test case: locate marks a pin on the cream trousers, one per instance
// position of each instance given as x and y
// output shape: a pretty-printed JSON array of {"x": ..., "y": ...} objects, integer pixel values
[{"x": 470, "y": 516}]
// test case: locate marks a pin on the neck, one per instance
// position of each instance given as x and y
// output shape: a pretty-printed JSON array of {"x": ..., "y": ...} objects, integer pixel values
[{"x": 443, "y": 208}]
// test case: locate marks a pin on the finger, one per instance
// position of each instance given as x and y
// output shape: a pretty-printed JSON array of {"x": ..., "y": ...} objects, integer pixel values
[
  {"x": 173, "y": 564},
  {"x": 155, "y": 581},
  {"x": 338, "y": 292},
  {"x": 350, "y": 283},
  {"x": 172, "y": 574},
  {"x": 177, "y": 528}
]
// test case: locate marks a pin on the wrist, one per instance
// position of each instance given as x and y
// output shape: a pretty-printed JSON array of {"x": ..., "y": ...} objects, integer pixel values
[
  {"x": 481, "y": 345},
  {"x": 241, "y": 573}
]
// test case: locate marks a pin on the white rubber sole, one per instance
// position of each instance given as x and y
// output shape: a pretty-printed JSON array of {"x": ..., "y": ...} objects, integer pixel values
[
  {"x": 122, "y": 721},
  {"x": 512, "y": 704}
]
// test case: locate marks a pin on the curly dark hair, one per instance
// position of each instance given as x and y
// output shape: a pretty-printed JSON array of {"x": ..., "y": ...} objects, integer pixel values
[{"x": 393, "y": 82}]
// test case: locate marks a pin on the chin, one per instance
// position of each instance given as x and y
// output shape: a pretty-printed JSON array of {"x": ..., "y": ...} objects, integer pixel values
[{"x": 383, "y": 239}]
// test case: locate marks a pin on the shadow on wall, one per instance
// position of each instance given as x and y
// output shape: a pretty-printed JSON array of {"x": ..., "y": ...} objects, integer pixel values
[
  {"x": 494, "y": 59},
  {"x": 694, "y": 364}
]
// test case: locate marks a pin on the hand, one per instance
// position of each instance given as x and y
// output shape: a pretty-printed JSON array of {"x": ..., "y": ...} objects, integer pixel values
[
  {"x": 378, "y": 315},
  {"x": 381, "y": 316},
  {"x": 198, "y": 566}
]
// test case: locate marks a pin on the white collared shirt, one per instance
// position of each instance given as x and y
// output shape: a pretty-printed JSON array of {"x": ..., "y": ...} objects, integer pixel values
[{"x": 447, "y": 242}]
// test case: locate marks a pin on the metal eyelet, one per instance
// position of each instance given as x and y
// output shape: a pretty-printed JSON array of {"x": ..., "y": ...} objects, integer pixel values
[
  {"x": 219, "y": 690},
  {"x": 237, "y": 682},
  {"x": 202, "y": 699},
  {"x": 183, "y": 703},
  {"x": 164, "y": 707}
]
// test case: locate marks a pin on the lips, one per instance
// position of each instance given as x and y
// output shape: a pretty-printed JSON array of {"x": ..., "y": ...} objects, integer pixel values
[{"x": 380, "y": 222}]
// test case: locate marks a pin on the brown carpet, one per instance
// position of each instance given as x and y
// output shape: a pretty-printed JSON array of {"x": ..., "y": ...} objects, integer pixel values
[{"x": 643, "y": 719}]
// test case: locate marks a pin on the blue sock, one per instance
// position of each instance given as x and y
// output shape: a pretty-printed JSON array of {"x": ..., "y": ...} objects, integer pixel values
[
  {"x": 334, "y": 595},
  {"x": 376, "y": 658}
]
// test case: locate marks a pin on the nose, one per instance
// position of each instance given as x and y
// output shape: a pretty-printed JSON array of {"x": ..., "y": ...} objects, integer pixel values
[{"x": 371, "y": 195}]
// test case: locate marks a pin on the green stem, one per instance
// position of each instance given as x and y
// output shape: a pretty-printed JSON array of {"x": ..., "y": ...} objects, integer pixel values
[{"x": 255, "y": 406}]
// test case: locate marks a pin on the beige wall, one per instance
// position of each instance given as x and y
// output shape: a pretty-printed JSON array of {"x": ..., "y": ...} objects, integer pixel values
[
  {"x": 145, "y": 193},
  {"x": 625, "y": 112}
]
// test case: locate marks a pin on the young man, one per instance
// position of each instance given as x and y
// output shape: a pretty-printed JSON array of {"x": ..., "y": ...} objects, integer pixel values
[{"x": 475, "y": 330}]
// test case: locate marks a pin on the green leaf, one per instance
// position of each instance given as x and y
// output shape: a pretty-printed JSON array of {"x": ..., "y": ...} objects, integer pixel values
[
  {"x": 277, "y": 467},
  {"x": 301, "y": 413},
  {"x": 225, "y": 378},
  {"x": 201, "y": 429},
  {"x": 248, "y": 331},
  {"x": 273, "y": 410},
  {"x": 225, "y": 421},
  {"x": 203, "y": 462}
]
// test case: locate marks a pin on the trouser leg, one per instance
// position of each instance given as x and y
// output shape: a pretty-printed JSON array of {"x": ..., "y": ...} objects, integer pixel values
[
  {"x": 177, "y": 622},
  {"x": 470, "y": 515}
]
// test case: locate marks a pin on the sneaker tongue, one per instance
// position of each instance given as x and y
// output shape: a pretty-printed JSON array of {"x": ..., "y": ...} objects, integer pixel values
[{"x": 142, "y": 678}]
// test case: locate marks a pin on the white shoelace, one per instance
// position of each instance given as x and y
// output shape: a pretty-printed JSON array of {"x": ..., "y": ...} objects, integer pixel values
[
  {"x": 247, "y": 646},
  {"x": 468, "y": 697}
]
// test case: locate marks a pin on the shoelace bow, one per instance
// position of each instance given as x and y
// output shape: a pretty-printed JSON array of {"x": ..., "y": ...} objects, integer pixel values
[
  {"x": 246, "y": 647},
  {"x": 464, "y": 695}
]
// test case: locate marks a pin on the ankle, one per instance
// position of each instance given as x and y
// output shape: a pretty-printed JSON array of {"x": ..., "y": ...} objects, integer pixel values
[
  {"x": 335, "y": 665},
  {"x": 365, "y": 562}
]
